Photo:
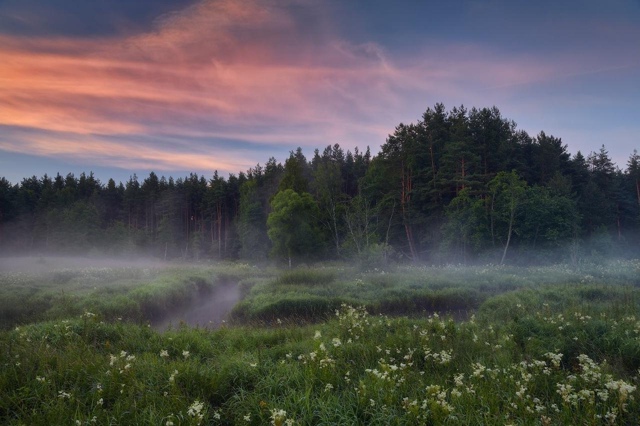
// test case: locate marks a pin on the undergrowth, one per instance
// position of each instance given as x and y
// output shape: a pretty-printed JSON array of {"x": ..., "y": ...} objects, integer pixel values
[
  {"x": 528, "y": 364},
  {"x": 545, "y": 346},
  {"x": 131, "y": 294},
  {"x": 409, "y": 290}
]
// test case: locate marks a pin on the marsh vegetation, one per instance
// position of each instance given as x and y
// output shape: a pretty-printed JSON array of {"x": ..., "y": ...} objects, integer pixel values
[{"x": 330, "y": 344}]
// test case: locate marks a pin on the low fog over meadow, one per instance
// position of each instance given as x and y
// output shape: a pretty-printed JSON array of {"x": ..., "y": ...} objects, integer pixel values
[
  {"x": 468, "y": 273},
  {"x": 47, "y": 265}
]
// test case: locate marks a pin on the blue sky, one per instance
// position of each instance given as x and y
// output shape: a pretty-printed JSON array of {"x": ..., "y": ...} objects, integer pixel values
[{"x": 119, "y": 87}]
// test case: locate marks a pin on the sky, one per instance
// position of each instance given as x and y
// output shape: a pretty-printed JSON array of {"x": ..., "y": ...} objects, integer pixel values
[{"x": 117, "y": 87}]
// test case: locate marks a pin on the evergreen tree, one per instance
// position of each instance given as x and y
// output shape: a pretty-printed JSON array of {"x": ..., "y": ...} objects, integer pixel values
[
  {"x": 295, "y": 171},
  {"x": 327, "y": 185},
  {"x": 252, "y": 223},
  {"x": 460, "y": 165}
]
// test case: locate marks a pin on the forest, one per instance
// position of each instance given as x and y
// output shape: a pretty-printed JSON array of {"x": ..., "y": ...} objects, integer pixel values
[{"x": 458, "y": 186}]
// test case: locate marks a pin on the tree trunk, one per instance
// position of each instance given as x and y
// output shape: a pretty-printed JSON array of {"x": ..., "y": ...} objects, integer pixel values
[
  {"x": 491, "y": 217},
  {"x": 366, "y": 224},
  {"x": 405, "y": 199},
  {"x": 535, "y": 237},
  {"x": 334, "y": 217},
  {"x": 506, "y": 246},
  {"x": 412, "y": 248},
  {"x": 354, "y": 237},
  {"x": 219, "y": 214},
  {"x": 332, "y": 223},
  {"x": 386, "y": 238},
  {"x": 618, "y": 224},
  {"x": 433, "y": 164},
  {"x": 213, "y": 234},
  {"x": 226, "y": 227},
  {"x": 463, "y": 177}
]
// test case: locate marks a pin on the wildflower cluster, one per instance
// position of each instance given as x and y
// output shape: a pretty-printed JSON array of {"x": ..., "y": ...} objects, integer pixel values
[
  {"x": 357, "y": 368},
  {"x": 279, "y": 418},
  {"x": 428, "y": 354},
  {"x": 123, "y": 362},
  {"x": 196, "y": 411}
]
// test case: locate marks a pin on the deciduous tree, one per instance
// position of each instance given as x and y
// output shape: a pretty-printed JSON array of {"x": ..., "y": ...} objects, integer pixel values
[{"x": 292, "y": 225}]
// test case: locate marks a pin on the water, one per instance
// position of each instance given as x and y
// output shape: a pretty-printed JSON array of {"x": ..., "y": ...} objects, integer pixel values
[{"x": 209, "y": 311}]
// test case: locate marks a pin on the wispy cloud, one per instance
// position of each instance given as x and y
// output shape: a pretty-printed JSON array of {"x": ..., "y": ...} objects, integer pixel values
[
  {"x": 119, "y": 153},
  {"x": 262, "y": 72}
]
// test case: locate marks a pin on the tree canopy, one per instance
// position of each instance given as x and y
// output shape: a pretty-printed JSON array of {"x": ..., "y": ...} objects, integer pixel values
[
  {"x": 463, "y": 185},
  {"x": 292, "y": 224}
]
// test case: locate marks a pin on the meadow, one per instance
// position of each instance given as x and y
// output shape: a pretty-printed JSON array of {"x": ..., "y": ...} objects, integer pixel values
[{"x": 329, "y": 344}]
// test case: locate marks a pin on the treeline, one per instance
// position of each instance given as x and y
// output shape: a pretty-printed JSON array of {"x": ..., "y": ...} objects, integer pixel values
[{"x": 457, "y": 186}]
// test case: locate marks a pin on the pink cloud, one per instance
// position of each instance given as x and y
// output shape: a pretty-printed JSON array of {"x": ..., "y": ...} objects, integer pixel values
[
  {"x": 247, "y": 70},
  {"x": 123, "y": 154}
]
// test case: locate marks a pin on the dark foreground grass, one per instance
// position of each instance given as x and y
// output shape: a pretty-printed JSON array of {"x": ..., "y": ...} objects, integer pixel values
[
  {"x": 531, "y": 362},
  {"x": 546, "y": 346}
]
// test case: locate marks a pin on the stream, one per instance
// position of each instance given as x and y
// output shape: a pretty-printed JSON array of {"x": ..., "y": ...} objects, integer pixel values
[{"x": 208, "y": 311}]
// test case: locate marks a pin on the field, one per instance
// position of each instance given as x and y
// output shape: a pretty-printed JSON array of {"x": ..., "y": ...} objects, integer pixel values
[{"x": 330, "y": 344}]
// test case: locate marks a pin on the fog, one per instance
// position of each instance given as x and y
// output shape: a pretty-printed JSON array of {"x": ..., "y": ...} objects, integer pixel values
[
  {"x": 207, "y": 308},
  {"x": 37, "y": 265},
  {"x": 210, "y": 311}
]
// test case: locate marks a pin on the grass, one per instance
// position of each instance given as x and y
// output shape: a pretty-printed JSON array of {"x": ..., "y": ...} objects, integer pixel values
[
  {"x": 316, "y": 293},
  {"x": 353, "y": 369},
  {"x": 545, "y": 346},
  {"x": 133, "y": 294}
]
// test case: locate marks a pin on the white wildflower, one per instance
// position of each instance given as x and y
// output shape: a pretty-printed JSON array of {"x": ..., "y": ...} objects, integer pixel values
[
  {"x": 64, "y": 395},
  {"x": 195, "y": 410},
  {"x": 278, "y": 416}
]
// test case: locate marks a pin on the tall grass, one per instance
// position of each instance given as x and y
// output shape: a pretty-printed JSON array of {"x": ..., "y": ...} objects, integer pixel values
[
  {"x": 411, "y": 290},
  {"x": 305, "y": 294},
  {"x": 132, "y": 294},
  {"x": 545, "y": 346},
  {"x": 531, "y": 364}
]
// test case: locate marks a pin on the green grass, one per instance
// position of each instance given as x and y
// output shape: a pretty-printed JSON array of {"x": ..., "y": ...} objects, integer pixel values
[
  {"x": 315, "y": 293},
  {"x": 133, "y": 294},
  {"x": 305, "y": 294},
  {"x": 544, "y": 346},
  {"x": 353, "y": 369}
]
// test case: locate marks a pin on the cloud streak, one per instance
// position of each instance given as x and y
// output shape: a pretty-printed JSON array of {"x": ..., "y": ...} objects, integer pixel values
[
  {"x": 119, "y": 153},
  {"x": 261, "y": 72}
]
